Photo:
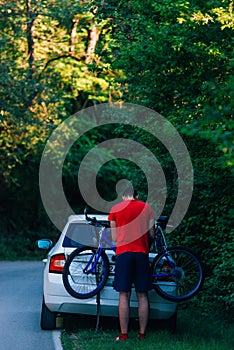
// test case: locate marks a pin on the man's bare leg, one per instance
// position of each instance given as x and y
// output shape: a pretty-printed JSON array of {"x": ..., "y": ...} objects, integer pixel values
[
  {"x": 143, "y": 311},
  {"x": 124, "y": 300}
]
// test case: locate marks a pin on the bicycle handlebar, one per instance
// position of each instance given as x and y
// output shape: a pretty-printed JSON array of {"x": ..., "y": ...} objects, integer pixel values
[
  {"x": 97, "y": 223},
  {"x": 161, "y": 221}
]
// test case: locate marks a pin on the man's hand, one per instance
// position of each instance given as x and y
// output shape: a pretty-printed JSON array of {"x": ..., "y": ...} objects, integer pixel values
[{"x": 113, "y": 230}]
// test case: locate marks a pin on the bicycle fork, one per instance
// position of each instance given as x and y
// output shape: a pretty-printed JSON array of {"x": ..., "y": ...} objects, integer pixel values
[{"x": 93, "y": 261}]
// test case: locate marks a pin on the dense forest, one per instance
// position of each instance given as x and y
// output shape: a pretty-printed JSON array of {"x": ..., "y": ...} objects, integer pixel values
[{"x": 59, "y": 57}]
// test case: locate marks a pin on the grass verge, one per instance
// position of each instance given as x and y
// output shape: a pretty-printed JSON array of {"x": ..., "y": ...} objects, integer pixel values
[{"x": 194, "y": 332}]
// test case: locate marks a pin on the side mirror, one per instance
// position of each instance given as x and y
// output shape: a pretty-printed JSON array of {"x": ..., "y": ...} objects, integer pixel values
[{"x": 45, "y": 244}]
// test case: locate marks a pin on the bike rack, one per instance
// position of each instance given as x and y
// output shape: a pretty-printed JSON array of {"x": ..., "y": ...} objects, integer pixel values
[{"x": 98, "y": 311}]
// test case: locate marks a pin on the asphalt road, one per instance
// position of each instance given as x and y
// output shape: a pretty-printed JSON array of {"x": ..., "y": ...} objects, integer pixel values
[{"x": 20, "y": 305}]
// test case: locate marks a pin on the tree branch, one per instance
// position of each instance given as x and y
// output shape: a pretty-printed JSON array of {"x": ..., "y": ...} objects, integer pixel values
[
  {"x": 31, "y": 16},
  {"x": 58, "y": 58}
]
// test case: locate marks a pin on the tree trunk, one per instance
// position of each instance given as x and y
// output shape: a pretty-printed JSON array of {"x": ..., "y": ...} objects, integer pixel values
[
  {"x": 73, "y": 36},
  {"x": 93, "y": 40}
]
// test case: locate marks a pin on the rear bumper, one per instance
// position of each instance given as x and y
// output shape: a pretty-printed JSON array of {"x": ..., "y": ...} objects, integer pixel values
[{"x": 59, "y": 301}]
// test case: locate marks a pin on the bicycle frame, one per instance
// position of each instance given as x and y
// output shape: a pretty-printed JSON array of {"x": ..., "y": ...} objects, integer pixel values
[
  {"x": 160, "y": 245},
  {"x": 104, "y": 241},
  {"x": 101, "y": 246}
]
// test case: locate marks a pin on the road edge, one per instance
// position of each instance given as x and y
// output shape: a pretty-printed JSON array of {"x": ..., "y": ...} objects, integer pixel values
[{"x": 56, "y": 336}]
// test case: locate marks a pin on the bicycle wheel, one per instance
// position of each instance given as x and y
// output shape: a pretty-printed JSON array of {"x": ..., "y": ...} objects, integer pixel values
[
  {"x": 83, "y": 275},
  {"x": 177, "y": 274}
]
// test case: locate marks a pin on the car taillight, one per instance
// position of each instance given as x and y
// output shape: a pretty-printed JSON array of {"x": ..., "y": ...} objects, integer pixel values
[{"x": 57, "y": 263}]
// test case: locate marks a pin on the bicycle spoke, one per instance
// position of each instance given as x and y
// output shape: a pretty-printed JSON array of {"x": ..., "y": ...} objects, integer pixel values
[
  {"x": 177, "y": 274},
  {"x": 85, "y": 273}
]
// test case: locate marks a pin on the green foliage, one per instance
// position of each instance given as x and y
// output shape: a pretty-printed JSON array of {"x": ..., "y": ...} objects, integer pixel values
[
  {"x": 47, "y": 73},
  {"x": 178, "y": 58},
  {"x": 46, "y": 78}
]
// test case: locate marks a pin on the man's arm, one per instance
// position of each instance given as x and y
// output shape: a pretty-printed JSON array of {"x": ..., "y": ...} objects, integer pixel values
[
  {"x": 113, "y": 230},
  {"x": 151, "y": 231},
  {"x": 151, "y": 228}
]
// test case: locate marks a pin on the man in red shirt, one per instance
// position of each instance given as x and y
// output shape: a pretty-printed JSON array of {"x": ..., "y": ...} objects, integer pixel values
[{"x": 132, "y": 226}]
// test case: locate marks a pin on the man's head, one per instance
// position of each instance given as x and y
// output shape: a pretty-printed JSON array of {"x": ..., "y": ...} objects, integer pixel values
[{"x": 130, "y": 193}]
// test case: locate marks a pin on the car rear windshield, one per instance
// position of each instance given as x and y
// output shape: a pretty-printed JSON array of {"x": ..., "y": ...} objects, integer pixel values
[{"x": 79, "y": 234}]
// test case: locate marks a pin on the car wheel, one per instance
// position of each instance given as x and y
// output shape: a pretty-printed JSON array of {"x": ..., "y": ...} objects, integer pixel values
[
  {"x": 48, "y": 318},
  {"x": 170, "y": 323}
]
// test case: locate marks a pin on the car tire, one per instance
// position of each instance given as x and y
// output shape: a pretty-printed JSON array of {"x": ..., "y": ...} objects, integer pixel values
[
  {"x": 170, "y": 324},
  {"x": 48, "y": 318}
]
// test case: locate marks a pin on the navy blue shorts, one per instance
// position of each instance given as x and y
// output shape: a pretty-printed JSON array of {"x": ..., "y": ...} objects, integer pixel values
[{"x": 132, "y": 268}]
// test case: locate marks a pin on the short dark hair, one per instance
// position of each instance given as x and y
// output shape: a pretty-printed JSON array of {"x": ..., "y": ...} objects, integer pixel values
[{"x": 130, "y": 192}]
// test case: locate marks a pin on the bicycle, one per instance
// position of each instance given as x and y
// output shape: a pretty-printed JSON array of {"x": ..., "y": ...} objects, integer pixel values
[{"x": 176, "y": 271}]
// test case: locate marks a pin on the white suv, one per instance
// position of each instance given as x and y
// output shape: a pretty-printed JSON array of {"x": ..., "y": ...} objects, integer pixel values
[{"x": 57, "y": 301}]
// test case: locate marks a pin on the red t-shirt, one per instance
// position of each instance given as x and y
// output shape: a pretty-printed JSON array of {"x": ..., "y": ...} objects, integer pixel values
[{"x": 132, "y": 223}]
